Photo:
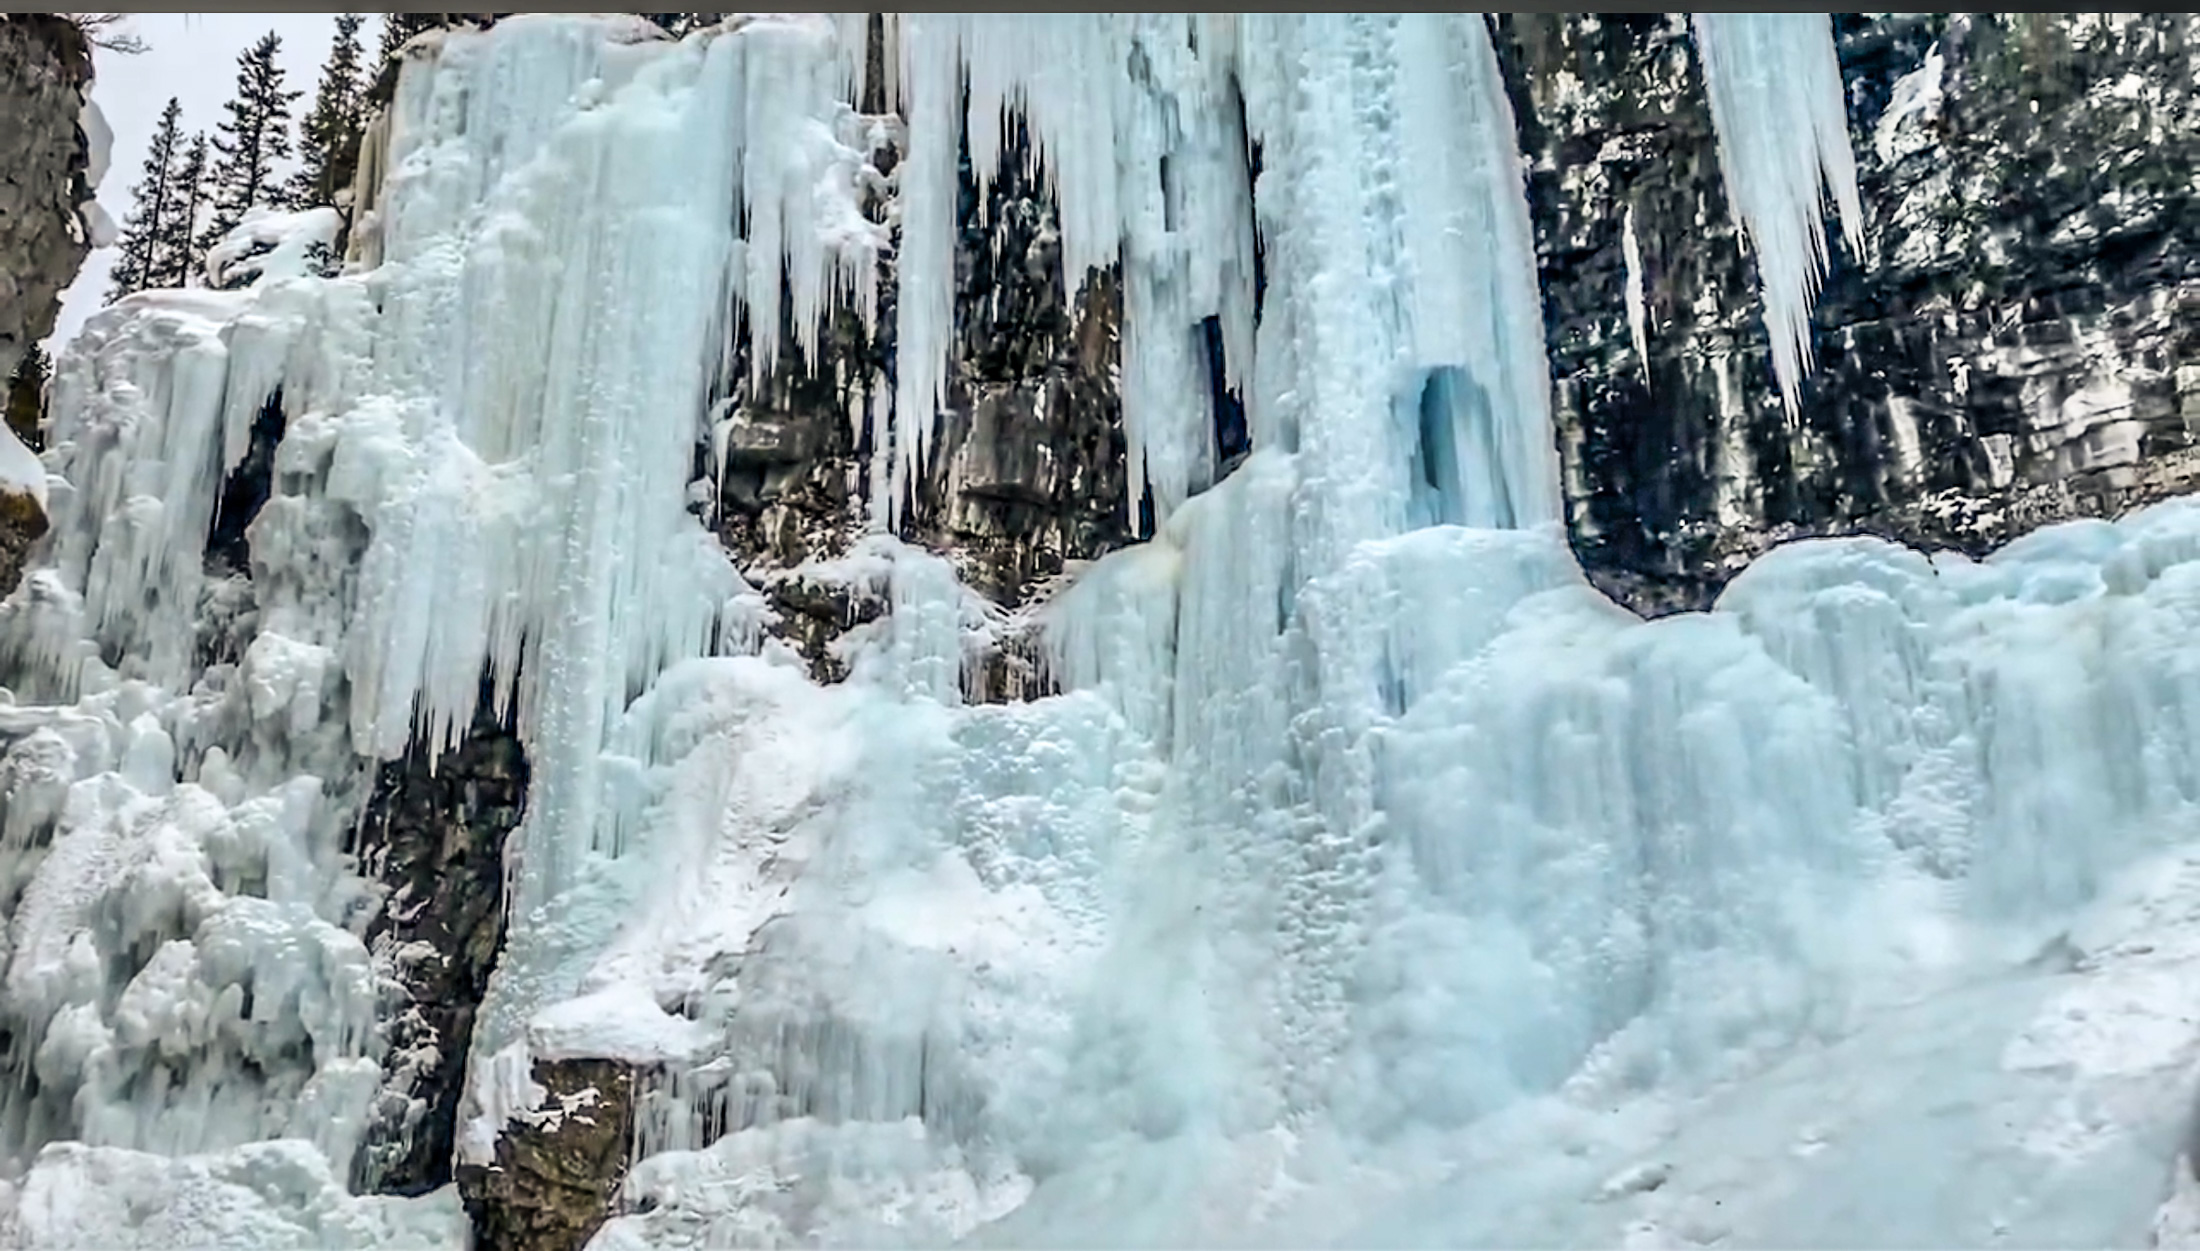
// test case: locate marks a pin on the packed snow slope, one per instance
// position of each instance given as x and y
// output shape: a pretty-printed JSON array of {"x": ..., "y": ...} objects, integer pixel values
[{"x": 1372, "y": 881}]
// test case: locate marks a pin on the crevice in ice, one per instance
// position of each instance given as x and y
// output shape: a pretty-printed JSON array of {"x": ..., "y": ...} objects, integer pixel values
[
  {"x": 243, "y": 491},
  {"x": 1232, "y": 439}
]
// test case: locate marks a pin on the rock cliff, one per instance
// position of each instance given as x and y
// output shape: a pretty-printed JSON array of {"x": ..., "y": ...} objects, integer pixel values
[
  {"x": 45, "y": 69},
  {"x": 2016, "y": 348}
]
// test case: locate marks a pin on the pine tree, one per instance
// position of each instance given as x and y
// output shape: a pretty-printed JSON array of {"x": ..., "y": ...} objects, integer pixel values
[
  {"x": 26, "y": 404},
  {"x": 328, "y": 138},
  {"x": 399, "y": 27},
  {"x": 254, "y": 136},
  {"x": 155, "y": 202},
  {"x": 179, "y": 257}
]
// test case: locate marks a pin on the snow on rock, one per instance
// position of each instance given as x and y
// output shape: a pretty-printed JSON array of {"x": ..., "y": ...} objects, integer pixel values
[
  {"x": 270, "y": 245},
  {"x": 99, "y": 228},
  {"x": 99, "y": 142},
  {"x": 1916, "y": 99},
  {"x": 21, "y": 472}
]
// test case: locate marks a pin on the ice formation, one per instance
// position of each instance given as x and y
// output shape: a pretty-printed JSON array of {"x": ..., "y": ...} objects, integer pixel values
[
  {"x": 1782, "y": 120},
  {"x": 1373, "y": 880}
]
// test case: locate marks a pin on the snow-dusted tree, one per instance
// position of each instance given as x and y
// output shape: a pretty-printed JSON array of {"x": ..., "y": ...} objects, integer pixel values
[
  {"x": 177, "y": 257},
  {"x": 328, "y": 138},
  {"x": 153, "y": 202},
  {"x": 254, "y": 136}
]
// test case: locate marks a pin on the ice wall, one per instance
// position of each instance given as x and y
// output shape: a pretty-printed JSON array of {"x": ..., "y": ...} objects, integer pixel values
[{"x": 1372, "y": 879}]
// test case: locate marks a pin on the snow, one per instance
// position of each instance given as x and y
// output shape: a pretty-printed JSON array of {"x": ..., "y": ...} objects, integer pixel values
[
  {"x": 99, "y": 229},
  {"x": 1372, "y": 881},
  {"x": 1638, "y": 311},
  {"x": 274, "y": 1195},
  {"x": 99, "y": 142},
  {"x": 21, "y": 473},
  {"x": 1916, "y": 98},
  {"x": 270, "y": 245}
]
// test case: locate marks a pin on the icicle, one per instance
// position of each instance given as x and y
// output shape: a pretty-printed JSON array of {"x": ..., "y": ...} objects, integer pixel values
[
  {"x": 1774, "y": 83},
  {"x": 931, "y": 78},
  {"x": 1638, "y": 312}
]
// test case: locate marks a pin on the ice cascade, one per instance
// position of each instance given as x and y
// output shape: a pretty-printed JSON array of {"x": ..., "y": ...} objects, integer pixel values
[
  {"x": 1782, "y": 119},
  {"x": 1371, "y": 880}
]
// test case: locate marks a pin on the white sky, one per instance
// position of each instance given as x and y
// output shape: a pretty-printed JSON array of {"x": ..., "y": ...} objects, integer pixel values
[{"x": 193, "y": 57}]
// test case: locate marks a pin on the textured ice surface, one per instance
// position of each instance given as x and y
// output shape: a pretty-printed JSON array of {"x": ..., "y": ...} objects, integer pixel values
[
  {"x": 1374, "y": 881},
  {"x": 267, "y": 1196}
]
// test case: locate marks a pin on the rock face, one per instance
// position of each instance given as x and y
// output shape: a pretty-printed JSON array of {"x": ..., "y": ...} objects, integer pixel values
[
  {"x": 44, "y": 66},
  {"x": 434, "y": 839},
  {"x": 22, "y": 523},
  {"x": 557, "y": 1169},
  {"x": 1026, "y": 471},
  {"x": 2016, "y": 350}
]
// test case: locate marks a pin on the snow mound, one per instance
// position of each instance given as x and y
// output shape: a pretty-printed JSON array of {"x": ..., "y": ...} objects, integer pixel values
[
  {"x": 21, "y": 472},
  {"x": 270, "y": 245},
  {"x": 267, "y": 1196}
]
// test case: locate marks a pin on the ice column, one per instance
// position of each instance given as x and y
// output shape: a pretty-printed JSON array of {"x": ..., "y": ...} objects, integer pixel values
[{"x": 1782, "y": 121}]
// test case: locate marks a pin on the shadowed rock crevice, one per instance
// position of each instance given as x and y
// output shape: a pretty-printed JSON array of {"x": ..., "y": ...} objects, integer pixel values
[{"x": 433, "y": 840}]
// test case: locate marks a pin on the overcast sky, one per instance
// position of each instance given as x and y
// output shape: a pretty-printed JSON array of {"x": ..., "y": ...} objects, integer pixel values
[{"x": 193, "y": 57}]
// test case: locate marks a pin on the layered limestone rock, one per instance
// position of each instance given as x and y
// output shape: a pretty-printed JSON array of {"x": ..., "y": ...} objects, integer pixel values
[{"x": 2015, "y": 350}]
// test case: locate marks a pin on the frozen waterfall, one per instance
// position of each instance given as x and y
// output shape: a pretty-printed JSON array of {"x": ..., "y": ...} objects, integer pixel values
[{"x": 1372, "y": 880}]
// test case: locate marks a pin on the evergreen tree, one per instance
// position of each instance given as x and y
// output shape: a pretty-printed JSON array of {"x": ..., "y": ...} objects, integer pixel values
[
  {"x": 26, "y": 410},
  {"x": 154, "y": 202},
  {"x": 179, "y": 257},
  {"x": 328, "y": 138},
  {"x": 399, "y": 27},
  {"x": 254, "y": 136}
]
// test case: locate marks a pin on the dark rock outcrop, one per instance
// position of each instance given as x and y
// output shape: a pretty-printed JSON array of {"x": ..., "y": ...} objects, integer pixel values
[
  {"x": 45, "y": 65},
  {"x": 2016, "y": 349},
  {"x": 434, "y": 840},
  {"x": 559, "y": 1168},
  {"x": 22, "y": 523}
]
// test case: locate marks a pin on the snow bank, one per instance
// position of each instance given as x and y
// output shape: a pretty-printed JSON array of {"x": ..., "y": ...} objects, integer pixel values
[
  {"x": 269, "y": 245},
  {"x": 21, "y": 472}
]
